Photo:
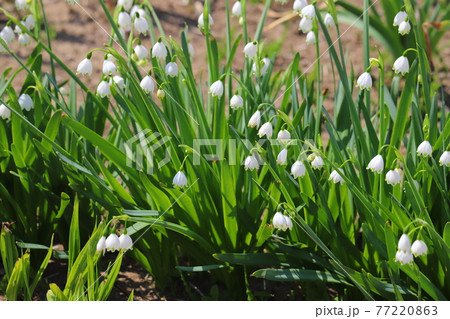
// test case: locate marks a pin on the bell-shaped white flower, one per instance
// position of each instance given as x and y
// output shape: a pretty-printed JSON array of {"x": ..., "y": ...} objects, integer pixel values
[
  {"x": 419, "y": 248},
  {"x": 136, "y": 10},
  {"x": 284, "y": 136},
  {"x": 305, "y": 25},
  {"x": 236, "y": 10},
  {"x": 311, "y": 38},
  {"x": 399, "y": 18},
  {"x": 172, "y": 69},
  {"x": 101, "y": 245},
  {"x": 5, "y": 113},
  {"x": 24, "y": 39},
  {"x": 112, "y": 243},
  {"x": 266, "y": 129},
  {"x": 308, "y": 12},
  {"x": 251, "y": 163},
  {"x": 298, "y": 169},
  {"x": 393, "y": 177},
  {"x": 282, "y": 157},
  {"x": 404, "y": 258},
  {"x": 25, "y": 102},
  {"x": 85, "y": 67},
  {"x": 160, "y": 94},
  {"x": 404, "y": 244},
  {"x": 404, "y": 28},
  {"x": 119, "y": 81},
  {"x": 216, "y": 89},
  {"x": 336, "y": 176},
  {"x": 147, "y": 84},
  {"x": 108, "y": 67},
  {"x": 424, "y": 149},
  {"x": 141, "y": 51},
  {"x": 299, "y": 5},
  {"x": 141, "y": 25},
  {"x": 317, "y": 162},
  {"x": 444, "y": 160},
  {"x": 125, "y": 4},
  {"x": 29, "y": 22},
  {"x": 124, "y": 21},
  {"x": 125, "y": 242},
  {"x": 103, "y": 89},
  {"x": 255, "y": 119},
  {"x": 22, "y": 5},
  {"x": 179, "y": 180},
  {"x": 251, "y": 50},
  {"x": 159, "y": 51},
  {"x": 329, "y": 21},
  {"x": 201, "y": 22},
  {"x": 279, "y": 221},
  {"x": 288, "y": 222},
  {"x": 376, "y": 164},
  {"x": 236, "y": 102},
  {"x": 7, "y": 34},
  {"x": 401, "y": 65},
  {"x": 364, "y": 81},
  {"x": 265, "y": 63}
]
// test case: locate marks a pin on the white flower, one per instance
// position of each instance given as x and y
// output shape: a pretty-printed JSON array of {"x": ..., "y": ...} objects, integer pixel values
[
  {"x": 308, "y": 12},
  {"x": 160, "y": 94},
  {"x": 24, "y": 39},
  {"x": 216, "y": 89},
  {"x": 251, "y": 50},
  {"x": 108, "y": 67},
  {"x": 172, "y": 69},
  {"x": 265, "y": 65},
  {"x": 126, "y": 4},
  {"x": 298, "y": 169},
  {"x": 404, "y": 28},
  {"x": 279, "y": 222},
  {"x": 305, "y": 25},
  {"x": 125, "y": 242},
  {"x": 424, "y": 149},
  {"x": 85, "y": 67},
  {"x": 282, "y": 157},
  {"x": 364, "y": 81},
  {"x": 179, "y": 180},
  {"x": 299, "y": 5},
  {"x": 266, "y": 129},
  {"x": 101, "y": 245},
  {"x": 251, "y": 163},
  {"x": 404, "y": 244},
  {"x": 400, "y": 17},
  {"x": 445, "y": 159},
  {"x": 255, "y": 119},
  {"x": 191, "y": 49},
  {"x": 124, "y": 21},
  {"x": 147, "y": 84},
  {"x": 311, "y": 37},
  {"x": 236, "y": 102},
  {"x": 112, "y": 243},
  {"x": 5, "y": 113},
  {"x": 404, "y": 257},
  {"x": 103, "y": 89},
  {"x": 401, "y": 65},
  {"x": 288, "y": 223},
  {"x": 284, "y": 136},
  {"x": 159, "y": 51},
  {"x": 26, "y": 103},
  {"x": 317, "y": 162},
  {"x": 393, "y": 177},
  {"x": 201, "y": 22},
  {"x": 336, "y": 176},
  {"x": 7, "y": 34},
  {"x": 135, "y": 10},
  {"x": 119, "y": 81},
  {"x": 419, "y": 248},
  {"x": 29, "y": 22},
  {"x": 141, "y": 25},
  {"x": 141, "y": 51},
  {"x": 328, "y": 20},
  {"x": 22, "y": 5},
  {"x": 236, "y": 11},
  {"x": 376, "y": 164}
]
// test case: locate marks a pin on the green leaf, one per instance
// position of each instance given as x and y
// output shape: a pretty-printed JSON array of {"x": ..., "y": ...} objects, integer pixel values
[
  {"x": 200, "y": 268},
  {"x": 300, "y": 275}
]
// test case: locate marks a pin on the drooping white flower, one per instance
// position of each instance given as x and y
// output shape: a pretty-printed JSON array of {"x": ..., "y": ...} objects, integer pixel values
[
  {"x": 160, "y": 94},
  {"x": 236, "y": 102},
  {"x": 108, "y": 67},
  {"x": 404, "y": 244},
  {"x": 101, "y": 245},
  {"x": 404, "y": 28},
  {"x": 137, "y": 10},
  {"x": 22, "y": 5},
  {"x": 85, "y": 67},
  {"x": 311, "y": 38},
  {"x": 119, "y": 81},
  {"x": 393, "y": 177},
  {"x": 25, "y": 102},
  {"x": 5, "y": 113},
  {"x": 299, "y": 5},
  {"x": 141, "y": 25},
  {"x": 124, "y": 21},
  {"x": 7, "y": 34},
  {"x": 399, "y": 18},
  {"x": 179, "y": 180},
  {"x": 404, "y": 257},
  {"x": 282, "y": 157},
  {"x": 305, "y": 25},
  {"x": 266, "y": 129},
  {"x": 126, "y": 4},
  {"x": 298, "y": 169},
  {"x": 201, "y": 22},
  {"x": 445, "y": 159},
  {"x": 288, "y": 222},
  {"x": 29, "y": 22},
  {"x": 317, "y": 162},
  {"x": 401, "y": 65},
  {"x": 103, "y": 89},
  {"x": 279, "y": 222},
  {"x": 251, "y": 50},
  {"x": 159, "y": 51},
  {"x": 265, "y": 65},
  {"x": 328, "y": 20},
  {"x": 255, "y": 119},
  {"x": 364, "y": 81},
  {"x": 284, "y": 136},
  {"x": 125, "y": 242},
  {"x": 236, "y": 11},
  {"x": 424, "y": 149},
  {"x": 147, "y": 84},
  {"x": 112, "y": 243},
  {"x": 376, "y": 164},
  {"x": 308, "y": 12},
  {"x": 419, "y": 248},
  {"x": 141, "y": 51},
  {"x": 216, "y": 89},
  {"x": 251, "y": 163},
  {"x": 172, "y": 69},
  {"x": 24, "y": 39},
  {"x": 336, "y": 176}
]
